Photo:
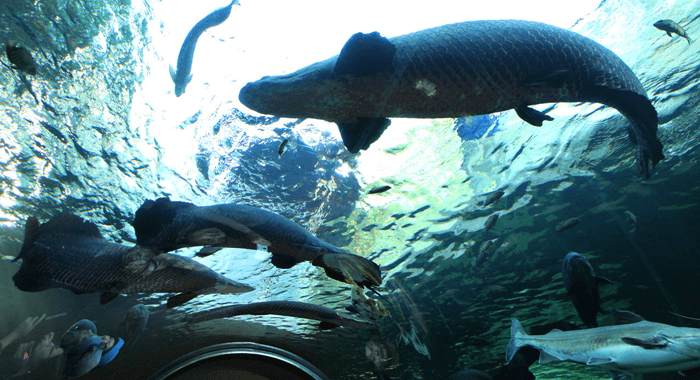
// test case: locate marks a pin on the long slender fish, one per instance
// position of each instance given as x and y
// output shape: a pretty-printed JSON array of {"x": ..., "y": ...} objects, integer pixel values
[
  {"x": 468, "y": 68},
  {"x": 637, "y": 346},
  {"x": 182, "y": 76},
  {"x": 69, "y": 252},
  {"x": 164, "y": 225},
  {"x": 328, "y": 317}
]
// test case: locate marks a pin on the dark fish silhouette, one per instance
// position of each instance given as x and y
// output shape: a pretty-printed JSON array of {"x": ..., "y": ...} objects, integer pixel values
[
  {"x": 581, "y": 286},
  {"x": 69, "y": 252},
  {"x": 280, "y": 150},
  {"x": 379, "y": 190},
  {"x": 483, "y": 253},
  {"x": 135, "y": 322},
  {"x": 77, "y": 333},
  {"x": 381, "y": 353},
  {"x": 468, "y": 68},
  {"x": 568, "y": 224},
  {"x": 670, "y": 26},
  {"x": 493, "y": 197},
  {"x": 328, "y": 317},
  {"x": 20, "y": 58},
  {"x": 490, "y": 223},
  {"x": 182, "y": 76},
  {"x": 164, "y": 225},
  {"x": 632, "y": 220}
]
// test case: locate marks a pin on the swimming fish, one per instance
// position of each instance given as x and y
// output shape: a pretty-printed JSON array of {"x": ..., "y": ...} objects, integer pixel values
[
  {"x": 134, "y": 322},
  {"x": 490, "y": 222},
  {"x": 20, "y": 58},
  {"x": 82, "y": 358},
  {"x": 581, "y": 285},
  {"x": 328, "y": 317},
  {"x": 468, "y": 68},
  {"x": 280, "y": 150},
  {"x": 483, "y": 253},
  {"x": 365, "y": 306},
  {"x": 670, "y": 26},
  {"x": 493, "y": 197},
  {"x": 381, "y": 353},
  {"x": 568, "y": 224},
  {"x": 69, "y": 252},
  {"x": 182, "y": 76},
  {"x": 635, "y": 346},
  {"x": 164, "y": 225},
  {"x": 379, "y": 190},
  {"x": 632, "y": 220}
]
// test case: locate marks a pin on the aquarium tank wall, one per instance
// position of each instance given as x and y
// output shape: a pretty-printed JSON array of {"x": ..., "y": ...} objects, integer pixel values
[{"x": 270, "y": 189}]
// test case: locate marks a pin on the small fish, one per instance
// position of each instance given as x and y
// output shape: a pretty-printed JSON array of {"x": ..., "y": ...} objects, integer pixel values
[
  {"x": 470, "y": 374},
  {"x": 581, "y": 285},
  {"x": 670, "y": 26},
  {"x": 77, "y": 333},
  {"x": 28, "y": 86},
  {"x": 328, "y": 317},
  {"x": 20, "y": 58},
  {"x": 182, "y": 76},
  {"x": 490, "y": 222},
  {"x": 135, "y": 322},
  {"x": 492, "y": 198},
  {"x": 85, "y": 356},
  {"x": 483, "y": 253},
  {"x": 69, "y": 252},
  {"x": 164, "y": 225},
  {"x": 55, "y": 316},
  {"x": 568, "y": 224},
  {"x": 280, "y": 150},
  {"x": 632, "y": 220},
  {"x": 494, "y": 290},
  {"x": 379, "y": 190},
  {"x": 632, "y": 346}
]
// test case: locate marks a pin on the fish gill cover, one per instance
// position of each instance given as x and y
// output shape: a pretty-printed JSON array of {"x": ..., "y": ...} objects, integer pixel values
[{"x": 106, "y": 132}]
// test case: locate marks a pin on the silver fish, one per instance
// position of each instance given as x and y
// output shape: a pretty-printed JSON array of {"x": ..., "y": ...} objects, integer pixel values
[{"x": 637, "y": 346}]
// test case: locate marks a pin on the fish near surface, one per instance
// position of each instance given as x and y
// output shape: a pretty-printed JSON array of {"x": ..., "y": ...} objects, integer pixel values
[
  {"x": 630, "y": 347},
  {"x": 20, "y": 58},
  {"x": 164, "y": 225},
  {"x": 568, "y": 224},
  {"x": 456, "y": 70},
  {"x": 581, "y": 285},
  {"x": 182, "y": 76},
  {"x": 670, "y": 26},
  {"x": 69, "y": 252}
]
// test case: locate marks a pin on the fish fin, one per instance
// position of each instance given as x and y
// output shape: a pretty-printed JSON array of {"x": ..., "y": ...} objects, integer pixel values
[
  {"x": 546, "y": 358},
  {"x": 602, "y": 281},
  {"x": 689, "y": 372},
  {"x": 208, "y": 250},
  {"x": 632, "y": 136},
  {"x": 365, "y": 54},
  {"x": 327, "y": 325},
  {"x": 30, "y": 235},
  {"x": 647, "y": 344},
  {"x": 516, "y": 331},
  {"x": 180, "y": 299},
  {"x": 341, "y": 265},
  {"x": 360, "y": 134},
  {"x": 173, "y": 73},
  {"x": 188, "y": 80},
  {"x": 153, "y": 216},
  {"x": 532, "y": 116},
  {"x": 107, "y": 296},
  {"x": 352, "y": 309},
  {"x": 619, "y": 375},
  {"x": 623, "y": 317},
  {"x": 669, "y": 34},
  {"x": 68, "y": 223},
  {"x": 599, "y": 361},
  {"x": 283, "y": 261}
]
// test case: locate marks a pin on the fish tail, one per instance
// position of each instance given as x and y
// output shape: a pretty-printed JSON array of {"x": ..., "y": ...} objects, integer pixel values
[{"x": 516, "y": 332}]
